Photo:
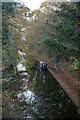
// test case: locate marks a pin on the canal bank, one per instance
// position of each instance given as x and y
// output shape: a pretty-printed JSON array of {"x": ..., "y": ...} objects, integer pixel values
[{"x": 69, "y": 83}]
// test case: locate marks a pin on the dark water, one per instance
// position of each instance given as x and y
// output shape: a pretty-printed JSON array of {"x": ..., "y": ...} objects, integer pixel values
[
  {"x": 44, "y": 97},
  {"x": 37, "y": 97}
]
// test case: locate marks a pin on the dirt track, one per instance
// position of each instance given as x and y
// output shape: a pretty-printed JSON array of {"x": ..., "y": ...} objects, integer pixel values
[{"x": 68, "y": 82}]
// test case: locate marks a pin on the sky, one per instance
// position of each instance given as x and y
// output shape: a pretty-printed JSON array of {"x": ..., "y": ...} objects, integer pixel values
[
  {"x": 35, "y": 4},
  {"x": 32, "y": 4}
]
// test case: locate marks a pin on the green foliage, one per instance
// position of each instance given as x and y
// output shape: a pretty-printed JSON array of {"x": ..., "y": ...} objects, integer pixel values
[
  {"x": 8, "y": 8},
  {"x": 78, "y": 111},
  {"x": 8, "y": 50},
  {"x": 58, "y": 29},
  {"x": 59, "y": 47},
  {"x": 68, "y": 28},
  {"x": 75, "y": 63}
]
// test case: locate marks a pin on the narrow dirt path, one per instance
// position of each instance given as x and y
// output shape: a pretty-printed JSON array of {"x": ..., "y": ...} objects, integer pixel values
[{"x": 68, "y": 82}]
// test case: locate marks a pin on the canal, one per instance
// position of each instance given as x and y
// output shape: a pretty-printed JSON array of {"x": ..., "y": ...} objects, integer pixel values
[{"x": 33, "y": 96}]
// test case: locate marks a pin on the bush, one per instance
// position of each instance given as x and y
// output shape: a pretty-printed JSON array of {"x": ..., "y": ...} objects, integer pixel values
[{"x": 75, "y": 63}]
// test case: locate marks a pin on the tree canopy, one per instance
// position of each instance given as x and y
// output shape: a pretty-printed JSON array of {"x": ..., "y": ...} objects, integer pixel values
[
  {"x": 55, "y": 29},
  {"x": 52, "y": 30}
]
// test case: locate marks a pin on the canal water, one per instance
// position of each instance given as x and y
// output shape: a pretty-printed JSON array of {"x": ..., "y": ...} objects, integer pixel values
[{"x": 43, "y": 97}]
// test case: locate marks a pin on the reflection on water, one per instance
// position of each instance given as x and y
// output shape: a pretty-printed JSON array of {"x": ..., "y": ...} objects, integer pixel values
[
  {"x": 26, "y": 96},
  {"x": 20, "y": 67},
  {"x": 30, "y": 97},
  {"x": 43, "y": 97},
  {"x": 36, "y": 96},
  {"x": 21, "y": 53}
]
